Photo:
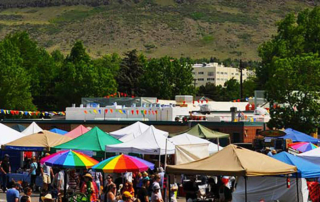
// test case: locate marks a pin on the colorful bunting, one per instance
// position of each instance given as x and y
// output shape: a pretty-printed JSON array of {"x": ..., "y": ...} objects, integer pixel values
[{"x": 132, "y": 112}]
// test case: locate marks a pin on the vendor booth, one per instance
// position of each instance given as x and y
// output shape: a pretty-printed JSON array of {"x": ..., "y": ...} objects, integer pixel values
[
  {"x": 276, "y": 188},
  {"x": 132, "y": 136},
  {"x": 234, "y": 161},
  {"x": 32, "y": 129},
  {"x": 149, "y": 142},
  {"x": 58, "y": 131},
  {"x": 93, "y": 140},
  {"x": 187, "y": 139},
  {"x": 41, "y": 141},
  {"x": 80, "y": 130},
  {"x": 312, "y": 156},
  {"x": 135, "y": 130}
]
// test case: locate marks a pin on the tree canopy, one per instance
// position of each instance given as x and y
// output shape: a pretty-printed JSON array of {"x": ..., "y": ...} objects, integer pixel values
[{"x": 290, "y": 72}]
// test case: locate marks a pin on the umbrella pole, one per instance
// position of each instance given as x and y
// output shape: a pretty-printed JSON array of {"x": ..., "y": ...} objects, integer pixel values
[
  {"x": 297, "y": 184},
  {"x": 165, "y": 157},
  {"x": 65, "y": 186},
  {"x": 245, "y": 189}
]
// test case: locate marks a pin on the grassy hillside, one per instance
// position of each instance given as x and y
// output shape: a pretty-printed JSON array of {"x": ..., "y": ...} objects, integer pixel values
[{"x": 195, "y": 28}]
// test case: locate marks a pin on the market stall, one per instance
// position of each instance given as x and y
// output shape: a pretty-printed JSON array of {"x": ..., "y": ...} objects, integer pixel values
[
  {"x": 187, "y": 139},
  {"x": 135, "y": 130},
  {"x": 80, "y": 130},
  {"x": 234, "y": 161},
  {"x": 149, "y": 142},
  {"x": 41, "y": 141},
  {"x": 32, "y": 129},
  {"x": 93, "y": 140},
  {"x": 58, "y": 131}
]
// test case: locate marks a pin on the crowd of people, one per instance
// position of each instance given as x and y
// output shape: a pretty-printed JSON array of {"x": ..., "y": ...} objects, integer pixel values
[{"x": 95, "y": 186}]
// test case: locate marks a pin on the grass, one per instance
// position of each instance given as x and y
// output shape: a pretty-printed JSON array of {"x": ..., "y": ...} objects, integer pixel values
[{"x": 198, "y": 29}]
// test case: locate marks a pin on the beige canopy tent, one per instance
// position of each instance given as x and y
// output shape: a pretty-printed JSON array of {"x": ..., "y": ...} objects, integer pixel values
[
  {"x": 40, "y": 141},
  {"x": 234, "y": 161}
]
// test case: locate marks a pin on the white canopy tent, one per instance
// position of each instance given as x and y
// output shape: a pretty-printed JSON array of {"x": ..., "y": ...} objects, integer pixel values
[
  {"x": 32, "y": 129},
  {"x": 149, "y": 142},
  {"x": 270, "y": 189},
  {"x": 132, "y": 136},
  {"x": 190, "y": 152},
  {"x": 313, "y": 156},
  {"x": 186, "y": 139},
  {"x": 8, "y": 134},
  {"x": 134, "y": 130}
]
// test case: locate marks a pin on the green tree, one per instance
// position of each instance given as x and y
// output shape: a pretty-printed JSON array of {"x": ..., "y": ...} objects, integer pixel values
[
  {"x": 290, "y": 72},
  {"x": 211, "y": 91},
  {"x": 81, "y": 77},
  {"x": 40, "y": 67},
  {"x": 14, "y": 79},
  {"x": 130, "y": 73},
  {"x": 166, "y": 77},
  {"x": 231, "y": 90}
]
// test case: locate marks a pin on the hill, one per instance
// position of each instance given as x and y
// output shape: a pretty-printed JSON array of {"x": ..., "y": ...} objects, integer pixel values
[{"x": 195, "y": 28}]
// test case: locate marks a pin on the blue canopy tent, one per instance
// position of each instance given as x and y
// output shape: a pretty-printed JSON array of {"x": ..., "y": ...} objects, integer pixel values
[
  {"x": 305, "y": 168},
  {"x": 297, "y": 136},
  {"x": 58, "y": 131},
  {"x": 18, "y": 127}
]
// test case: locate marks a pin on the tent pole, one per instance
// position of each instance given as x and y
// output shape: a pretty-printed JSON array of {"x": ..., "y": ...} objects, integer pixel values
[
  {"x": 297, "y": 185},
  {"x": 245, "y": 188},
  {"x": 165, "y": 157},
  {"x": 65, "y": 199},
  {"x": 159, "y": 160},
  {"x": 218, "y": 144}
]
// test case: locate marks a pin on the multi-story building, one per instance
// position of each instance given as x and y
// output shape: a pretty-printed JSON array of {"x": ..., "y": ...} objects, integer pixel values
[{"x": 217, "y": 74}]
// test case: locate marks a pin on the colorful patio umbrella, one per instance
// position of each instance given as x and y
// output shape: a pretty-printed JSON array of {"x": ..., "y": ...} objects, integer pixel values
[
  {"x": 69, "y": 159},
  {"x": 123, "y": 163},
  {"x": 303, "y": 146}
]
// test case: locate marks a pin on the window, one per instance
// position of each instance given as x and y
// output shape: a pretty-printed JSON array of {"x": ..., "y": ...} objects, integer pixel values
[
  {"x": 226, "y": 73},
  {"x": 200, "y": 73},
  {"x": 232, "y": 73},
  {"x": 218, "y": 79},
  {"x": 200, "y": 79},
  {"x": 218, "y": 72},
  {"x": 237, "y": 73},
  {"x": 193, "y": 73},
  {"x": 210, "y": 79},
  {"x": 210, "y": 73}
]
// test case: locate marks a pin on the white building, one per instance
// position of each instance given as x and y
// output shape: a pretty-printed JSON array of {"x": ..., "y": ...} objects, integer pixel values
[{"x": 217, "y": 74}]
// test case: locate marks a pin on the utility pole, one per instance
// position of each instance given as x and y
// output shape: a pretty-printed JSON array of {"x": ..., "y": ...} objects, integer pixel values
[{"x": 241, "y": 67}]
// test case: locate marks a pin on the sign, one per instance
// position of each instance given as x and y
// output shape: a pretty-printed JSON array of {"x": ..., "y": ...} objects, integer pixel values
[{"x": 272, "y": 133}]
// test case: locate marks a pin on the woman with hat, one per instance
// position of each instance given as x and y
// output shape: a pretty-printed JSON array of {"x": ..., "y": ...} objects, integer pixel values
[
  {"x": 47, "y": 198},
  {"x": 89, "y": 188}
]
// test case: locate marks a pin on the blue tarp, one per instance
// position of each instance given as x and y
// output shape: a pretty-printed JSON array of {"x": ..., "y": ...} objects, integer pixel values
[
  {"x": 58, "y": 131},
  {"x": 297, "y": 136},
  {"x": 305, "y": 168}
]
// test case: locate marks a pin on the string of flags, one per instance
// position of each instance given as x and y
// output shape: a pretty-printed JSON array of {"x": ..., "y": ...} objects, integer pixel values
[
  {"x": 199, "y": 101},
  {"x": 118, "y": 94},
  {"x": 31, "y": 113},
  {"x": 121, "y": 111}
]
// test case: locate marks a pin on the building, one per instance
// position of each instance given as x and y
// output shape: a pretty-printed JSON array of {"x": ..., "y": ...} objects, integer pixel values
[{"x": 217, "y": 74}]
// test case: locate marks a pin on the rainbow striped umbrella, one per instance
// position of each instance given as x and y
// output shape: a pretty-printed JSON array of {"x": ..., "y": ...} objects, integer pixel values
[
  {"x": 69, "y": 159},
  {"x": 303, "y": 146},
  {"x": 123, "y": 163}
]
